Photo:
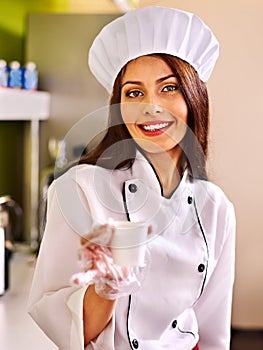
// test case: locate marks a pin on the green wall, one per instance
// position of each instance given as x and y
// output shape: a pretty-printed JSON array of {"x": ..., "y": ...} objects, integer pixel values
[
  {"x": 11, "y": 159},
  {"x": 13, "y": 17}
]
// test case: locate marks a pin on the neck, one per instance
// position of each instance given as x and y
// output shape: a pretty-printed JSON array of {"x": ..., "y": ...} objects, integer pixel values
[{"x": 166, "y": 165}]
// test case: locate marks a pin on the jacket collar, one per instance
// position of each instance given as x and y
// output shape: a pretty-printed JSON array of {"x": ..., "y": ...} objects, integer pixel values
[{"x": 142, "y": 169}]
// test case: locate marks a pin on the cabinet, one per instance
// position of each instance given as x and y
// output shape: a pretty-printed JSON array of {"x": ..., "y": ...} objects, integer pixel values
[{"x": 31, "y": 107}]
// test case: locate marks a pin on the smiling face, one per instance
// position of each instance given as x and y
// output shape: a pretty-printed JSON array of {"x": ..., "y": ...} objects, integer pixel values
[{"x": 152, "y": 105}]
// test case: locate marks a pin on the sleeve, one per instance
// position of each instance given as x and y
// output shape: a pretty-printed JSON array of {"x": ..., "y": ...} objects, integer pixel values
[
  {"x": 56, "y": 262},
  {"x": 213, "y": 309}
]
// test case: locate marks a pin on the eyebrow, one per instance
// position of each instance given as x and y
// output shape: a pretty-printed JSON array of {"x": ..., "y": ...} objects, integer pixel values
[{"x": 158, "y": 81}]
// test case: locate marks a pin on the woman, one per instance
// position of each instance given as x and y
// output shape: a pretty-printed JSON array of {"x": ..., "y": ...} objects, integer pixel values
[{"x": 150, "y": 166}]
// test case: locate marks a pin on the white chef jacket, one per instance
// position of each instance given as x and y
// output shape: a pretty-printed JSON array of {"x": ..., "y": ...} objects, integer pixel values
[{"x": 186, "y": 294}]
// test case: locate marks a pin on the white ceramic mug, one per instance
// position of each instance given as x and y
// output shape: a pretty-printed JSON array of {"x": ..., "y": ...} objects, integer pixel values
[{"x": 128, "y": 243}]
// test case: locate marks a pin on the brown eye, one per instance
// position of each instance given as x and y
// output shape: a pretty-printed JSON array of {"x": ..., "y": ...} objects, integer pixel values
[
  {"x": 133, "y": 93},
  {"x": 171, "y": 87}
]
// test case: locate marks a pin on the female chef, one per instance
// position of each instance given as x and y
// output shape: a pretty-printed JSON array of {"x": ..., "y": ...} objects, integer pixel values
[{"x": 149, "y": 166}]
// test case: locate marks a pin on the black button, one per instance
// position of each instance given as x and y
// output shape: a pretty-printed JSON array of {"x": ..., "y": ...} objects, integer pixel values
[
  {"x": 190, "y": 200},
  {"x": 135, "y": 343},
  {"x": 201, "y": 268},
  {"x": 174, "y": 324},
  {"x": 132, "y": 188}
]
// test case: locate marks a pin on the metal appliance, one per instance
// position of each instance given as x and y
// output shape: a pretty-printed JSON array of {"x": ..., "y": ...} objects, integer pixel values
[{"x": 11, "y": 226}]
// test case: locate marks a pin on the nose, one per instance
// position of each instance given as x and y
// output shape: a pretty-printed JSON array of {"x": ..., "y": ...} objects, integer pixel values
[{"x": 152, "y": 110}]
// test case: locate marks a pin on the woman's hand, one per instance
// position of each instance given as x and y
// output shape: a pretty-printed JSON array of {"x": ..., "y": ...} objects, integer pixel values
[{"x": 111, "y": 281}]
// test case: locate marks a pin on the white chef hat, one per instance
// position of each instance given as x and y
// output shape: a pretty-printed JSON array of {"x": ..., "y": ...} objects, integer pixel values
[{"x": 149, "y": 30}]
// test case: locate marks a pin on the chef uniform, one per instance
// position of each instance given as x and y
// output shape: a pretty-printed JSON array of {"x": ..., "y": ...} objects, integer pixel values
[
  {"x": 187, "y": 289},
  {"x": 186, "y": 294}
]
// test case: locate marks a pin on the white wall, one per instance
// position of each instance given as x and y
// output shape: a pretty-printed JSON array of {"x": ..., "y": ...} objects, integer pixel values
[{"x": 236, "y": 92}]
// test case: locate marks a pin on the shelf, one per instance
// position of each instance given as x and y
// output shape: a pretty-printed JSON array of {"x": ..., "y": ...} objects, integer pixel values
[
  {"x": 24, "y": 104},
  {"x": 31, "y": 107}
]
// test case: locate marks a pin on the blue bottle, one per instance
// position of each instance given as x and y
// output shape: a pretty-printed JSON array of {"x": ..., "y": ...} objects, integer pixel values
[
  {"x": 30, "y": 77},
  {"x": 15, "y": 75},
  {"x": 3, "y": 74}
]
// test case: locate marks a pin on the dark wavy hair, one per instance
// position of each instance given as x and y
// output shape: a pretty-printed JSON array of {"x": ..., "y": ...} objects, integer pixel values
[{"x": 113, "y": 153}]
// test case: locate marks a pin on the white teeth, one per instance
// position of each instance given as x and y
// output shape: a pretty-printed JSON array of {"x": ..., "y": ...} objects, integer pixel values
[{"x": 155, "y": 127}]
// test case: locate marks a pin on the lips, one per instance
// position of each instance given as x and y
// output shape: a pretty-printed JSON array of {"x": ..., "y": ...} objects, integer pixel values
[{"x": 155, "y": 128}]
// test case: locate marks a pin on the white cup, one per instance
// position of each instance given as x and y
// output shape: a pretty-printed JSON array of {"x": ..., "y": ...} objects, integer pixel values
[{"x": 128, "y": 243}]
